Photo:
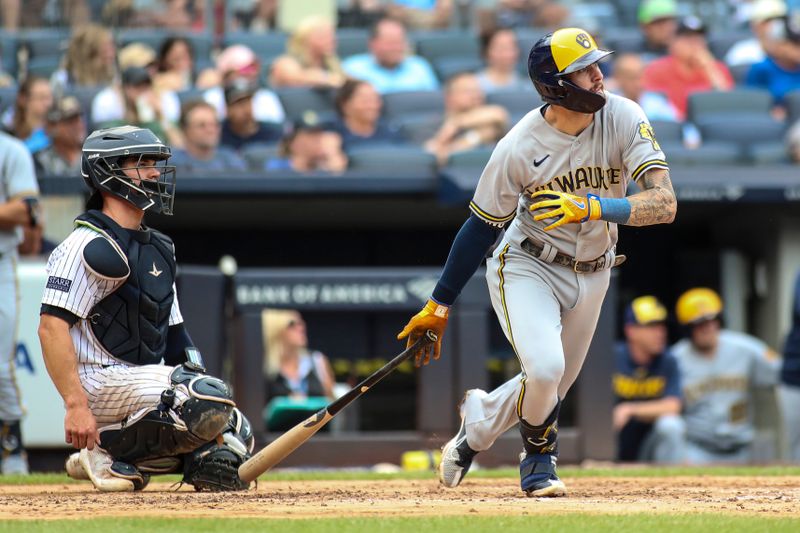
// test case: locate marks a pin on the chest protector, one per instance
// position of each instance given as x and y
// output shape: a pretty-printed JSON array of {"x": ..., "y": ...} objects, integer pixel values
[{"x": 131, "y": 323}]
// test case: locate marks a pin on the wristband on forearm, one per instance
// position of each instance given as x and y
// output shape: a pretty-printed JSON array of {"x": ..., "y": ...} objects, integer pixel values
[{"x": 617, "y": 210}]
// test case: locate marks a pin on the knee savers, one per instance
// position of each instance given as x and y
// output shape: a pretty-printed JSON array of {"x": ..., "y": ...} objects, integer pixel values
[{"x": 173, "y": 427}]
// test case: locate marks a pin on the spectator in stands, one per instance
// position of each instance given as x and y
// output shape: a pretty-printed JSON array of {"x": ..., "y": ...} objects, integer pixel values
[
  {"x": 201, "y": 152},
  {"x": 689, "y": 68},
  {"x": 422, "y": 14},
  {"x": 779, "y": 72},
  {"x": 172, "y": 14},
  {"x": 239, "y": 61},
  {"x": 658, "y": 20},
  {"x": 310, "y": 59},
  {"x": 256, "y": 16},
  {"x": 290, "y": 367},
  {"x": 90, "y": 60},
  {"x": 719, "y": 370},
  {"x": 501, "y": 55},
  {"x": 545, "y": 14},
  {"x": 789, "y": 391},
  {"x": 240, "y": 127},
  {"x": 359, "y": 106},
  {"x": 28, "y": 118},
  {"x": 628, "y": 80},
  {"x": 139, "y": 105},
  {"x": 647, "y": 388},
  {"x": 67, "y": 131},
  {"x": 175, "y": 65},
  {"x": 766, "y": 20},
  {"x": 310, "y": 146},
  {"x": 468, "y": 122},
  {"x": 387, "y": 66}
]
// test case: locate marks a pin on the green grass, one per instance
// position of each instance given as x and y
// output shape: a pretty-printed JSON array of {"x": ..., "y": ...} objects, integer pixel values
[
  {"x": 684, "y": 523},
  {"x": 565, "y": 471}
]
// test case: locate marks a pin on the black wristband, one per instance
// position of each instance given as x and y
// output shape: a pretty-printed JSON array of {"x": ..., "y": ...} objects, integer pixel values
[{"x": 33, "y": 210}]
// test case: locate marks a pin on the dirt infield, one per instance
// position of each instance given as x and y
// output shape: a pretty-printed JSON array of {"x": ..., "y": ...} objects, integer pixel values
[{"x": 770, "y": 496}]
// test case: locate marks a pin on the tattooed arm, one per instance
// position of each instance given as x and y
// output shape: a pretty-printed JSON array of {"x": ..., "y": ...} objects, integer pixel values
[{"x": 656, "y": 204}]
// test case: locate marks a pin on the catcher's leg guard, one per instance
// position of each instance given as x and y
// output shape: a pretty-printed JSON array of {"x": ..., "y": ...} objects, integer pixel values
[{"x": 172, "y": 428}]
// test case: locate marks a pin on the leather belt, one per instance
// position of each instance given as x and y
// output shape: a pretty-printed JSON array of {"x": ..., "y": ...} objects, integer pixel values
[{"x": 581, "y": 267}]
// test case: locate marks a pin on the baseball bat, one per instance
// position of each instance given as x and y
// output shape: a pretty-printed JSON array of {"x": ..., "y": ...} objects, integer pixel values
[{"x": 280, "y": 448}]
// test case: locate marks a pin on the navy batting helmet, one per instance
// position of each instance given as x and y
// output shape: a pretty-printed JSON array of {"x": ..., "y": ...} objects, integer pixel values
[
  {"x": 102, "y": 168},
  {"x": 560, "y": 53}
]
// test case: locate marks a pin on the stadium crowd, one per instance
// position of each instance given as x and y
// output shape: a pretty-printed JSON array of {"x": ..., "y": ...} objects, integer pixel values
[{"x": 288, "y": 89}]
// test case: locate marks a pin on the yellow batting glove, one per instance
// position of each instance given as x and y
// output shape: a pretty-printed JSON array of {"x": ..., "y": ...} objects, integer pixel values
[
  {"x": 432, "y": 317},
  {"x": 565, "y": 208}
]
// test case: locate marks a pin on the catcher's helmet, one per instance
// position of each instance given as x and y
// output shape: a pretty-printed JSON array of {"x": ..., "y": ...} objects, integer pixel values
[
  {"x": 101, "y": 168},
  {"x": 698, "y": 305},
  {"x": 560, "y": 53}
]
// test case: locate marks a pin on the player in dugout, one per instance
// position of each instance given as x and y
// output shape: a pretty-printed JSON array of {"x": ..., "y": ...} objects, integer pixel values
[{"x": 138, "y": 401}]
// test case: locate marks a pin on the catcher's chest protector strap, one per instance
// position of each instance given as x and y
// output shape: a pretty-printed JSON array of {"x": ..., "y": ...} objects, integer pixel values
[{"x": 132, "y": 322}]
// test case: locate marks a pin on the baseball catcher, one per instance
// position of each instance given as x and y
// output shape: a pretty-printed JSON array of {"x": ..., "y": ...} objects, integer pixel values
[{"x": 138, "y": 400}]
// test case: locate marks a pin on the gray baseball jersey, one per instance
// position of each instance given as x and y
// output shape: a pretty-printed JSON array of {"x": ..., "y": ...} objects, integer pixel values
[
  {"x": 618, "y": 146},
  {"x": 17, "y": 180},
  {"x": 717, "y": 390},
  {"x": 547, "y": 311},
  {"x": 74, "y": 286}
]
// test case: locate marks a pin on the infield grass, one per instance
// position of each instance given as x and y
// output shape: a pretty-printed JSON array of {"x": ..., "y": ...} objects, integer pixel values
[
  {"x": 564, "y": 471},
  {"x": 686, "y": 523}
]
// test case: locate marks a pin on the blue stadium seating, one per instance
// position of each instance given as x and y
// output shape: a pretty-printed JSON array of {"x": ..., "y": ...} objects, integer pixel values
[
  {"x": 392, "y": 160},
  {"x": 404, "y": 104},
  {"x": 436, "y": 45},
  {"x": 351, "y": 41},
  {"x": 297, "y": 100}
]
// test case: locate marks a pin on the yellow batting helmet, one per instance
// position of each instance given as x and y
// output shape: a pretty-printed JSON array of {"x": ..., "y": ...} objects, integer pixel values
[{"x": 697, "y": 305}]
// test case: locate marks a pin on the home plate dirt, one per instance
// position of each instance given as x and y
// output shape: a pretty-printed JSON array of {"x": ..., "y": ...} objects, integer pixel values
[{"x": 766, "y": 496}]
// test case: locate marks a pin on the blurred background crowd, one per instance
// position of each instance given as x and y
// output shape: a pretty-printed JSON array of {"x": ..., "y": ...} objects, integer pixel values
[{"x": 306, "y": 86}]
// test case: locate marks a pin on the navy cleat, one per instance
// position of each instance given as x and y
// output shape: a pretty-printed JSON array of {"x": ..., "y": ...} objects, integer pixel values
[{"x": 538, "y": 476}]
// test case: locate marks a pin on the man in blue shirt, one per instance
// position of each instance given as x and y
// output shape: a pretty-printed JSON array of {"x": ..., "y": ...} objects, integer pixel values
[
  {"x": 388, "y": 67},
  {"x": 647, "y": 388},
  {"x": 202, "y": 153}
]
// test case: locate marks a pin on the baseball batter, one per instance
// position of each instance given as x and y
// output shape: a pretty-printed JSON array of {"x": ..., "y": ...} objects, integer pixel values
[
  {"x": 560, "y": 177},
  {"x": 719, "y": 369},
  {"x": 18, "y": 206},
  {"x": 138, "y": 401}
]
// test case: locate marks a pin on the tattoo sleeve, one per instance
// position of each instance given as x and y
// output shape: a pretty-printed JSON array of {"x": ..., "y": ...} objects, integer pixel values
[{"x": 656, "y": 204}]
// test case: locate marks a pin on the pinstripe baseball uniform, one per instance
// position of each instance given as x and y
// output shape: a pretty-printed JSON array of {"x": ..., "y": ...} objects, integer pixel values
[
  {"x": 115, "y": 389},
  {"x": 17, "y": 180},
  {"x": 549, "y": 312}
]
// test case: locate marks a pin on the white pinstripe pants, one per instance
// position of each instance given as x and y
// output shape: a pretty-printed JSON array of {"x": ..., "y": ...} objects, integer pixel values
[
  {"x": 10, "y": 403},
  {"x": 549, "y": 314}
]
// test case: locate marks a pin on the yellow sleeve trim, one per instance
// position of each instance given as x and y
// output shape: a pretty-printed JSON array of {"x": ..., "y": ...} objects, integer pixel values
[
  {"x": 654, "y": 163},
  {"x": 490, "y": 218}
]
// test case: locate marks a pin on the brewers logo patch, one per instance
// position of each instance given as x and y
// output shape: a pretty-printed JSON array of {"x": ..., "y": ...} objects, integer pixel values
[
  {"x": 583, "y": 40},
  {"x": 646, "y": 132}
]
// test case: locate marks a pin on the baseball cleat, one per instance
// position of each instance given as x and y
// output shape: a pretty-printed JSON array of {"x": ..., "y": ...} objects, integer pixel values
[
  {"x": 74, "y": 468},
  {"x": 538, "y": 475},
  {"x": 15, "y": 464},
  {"x": 97, "y": 465},
  {"x": 456, "y": 459}
]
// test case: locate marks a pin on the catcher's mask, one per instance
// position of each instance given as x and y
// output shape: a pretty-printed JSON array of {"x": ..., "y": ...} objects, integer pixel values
[
  {"x": 108, "y": 153},
  {"x": 698, "y": 305},
  {"x": 554, "y": 57}
]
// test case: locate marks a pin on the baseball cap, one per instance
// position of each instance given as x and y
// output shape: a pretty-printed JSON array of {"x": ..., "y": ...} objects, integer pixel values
[
  {"x": 645, "y": 310},
  {"x": 652, "y": 10},
  {"x": 64, "y": 108},
  {"x": 136, "y": 55},
  {"x": 238, "y": 89},
  {"x": 309, "y": 121},
  {"x": 691, "y": 25},
  {"x": 763, "y": 10},
  {"x": 136, "y": 76},
  {"x": 236, "y": 58}
]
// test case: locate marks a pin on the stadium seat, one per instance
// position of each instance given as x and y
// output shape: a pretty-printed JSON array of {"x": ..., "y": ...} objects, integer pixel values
[
  {"x": 418, "y": 128},
  {"x": 476, "y": 158},
  {"x": 517, "y": 103},
  {"x": 710, "y": 153},
  {"x": 270, "y": 44},
  {"x": 351, "y": 41},
  {"x": 85, "y": 96},
  {"x": 714, "y": 103},
  {"x": 742, "y": 128},
  {"x": 526, "y": 38},
  {"x": 448, "y": 67},
  {"x": 43, "y": 66},
  {"x": 297, "y": 100},
  {"x": 403, "y": 104},
  {"x": 190, "y": 95},
  {"x": 45, "y": 43},
  {"x": 739, "y": 73},
  {"x": 667, "y": 131},
  {"x": 392, "y": 161},
  {"x": 202, "y": 43},
  {"x": 436, "y": 45},
  {"x": 257, "y": 155},
  {"x": 768, "y": 153},
  {"x": 720, "y": 42},
  {"x": 7, "y": 97},
  {"x": 792, "y": 103},
  {"x": 9, "y": 44}
]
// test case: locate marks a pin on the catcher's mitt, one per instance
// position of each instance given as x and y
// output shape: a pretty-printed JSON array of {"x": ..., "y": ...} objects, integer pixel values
[{"x": 215, "y": 467}]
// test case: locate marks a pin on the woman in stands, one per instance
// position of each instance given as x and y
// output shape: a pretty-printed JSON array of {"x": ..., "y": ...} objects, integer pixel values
[
  {"x": 290, "y": 368},
  {"x": 359, "y": 106},
  {"x": 90, "y": 60},
  {"x": 501, "y": 55},
  {"x": 311, "y": 59},
  {"x": 28, "y": 118}
]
